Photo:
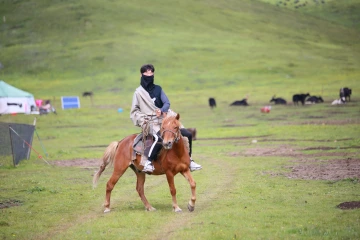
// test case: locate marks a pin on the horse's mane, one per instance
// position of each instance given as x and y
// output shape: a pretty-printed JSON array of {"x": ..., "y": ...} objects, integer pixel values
[{"x": 171, "y": 118}]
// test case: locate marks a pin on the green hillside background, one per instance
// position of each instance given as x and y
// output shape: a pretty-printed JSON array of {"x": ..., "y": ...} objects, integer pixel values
[{"x": 225, "y": 49}]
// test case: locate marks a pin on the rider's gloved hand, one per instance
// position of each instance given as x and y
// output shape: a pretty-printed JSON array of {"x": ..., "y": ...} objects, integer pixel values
[{"x": 158, "y": 112}]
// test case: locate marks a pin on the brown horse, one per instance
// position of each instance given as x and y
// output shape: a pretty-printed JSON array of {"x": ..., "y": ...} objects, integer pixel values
[{"x": 173, "y": 159}]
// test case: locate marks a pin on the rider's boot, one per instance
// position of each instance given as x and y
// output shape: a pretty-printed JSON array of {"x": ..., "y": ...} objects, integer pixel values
[
  {"x": 148, "y": 167},
  {"x": 194, "y": 166}
]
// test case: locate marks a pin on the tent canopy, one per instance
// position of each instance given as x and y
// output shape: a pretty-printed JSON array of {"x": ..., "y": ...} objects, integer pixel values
[
  {"x": 7, "y": 90},
  {"x": 14, "y": 100}
]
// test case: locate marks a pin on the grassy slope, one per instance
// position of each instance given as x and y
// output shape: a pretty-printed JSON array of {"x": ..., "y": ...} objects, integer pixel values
[
  {"x": 67, "y": 47},
  {"x": 346, "y": 13},
  {"x": 225, "y": 49}
]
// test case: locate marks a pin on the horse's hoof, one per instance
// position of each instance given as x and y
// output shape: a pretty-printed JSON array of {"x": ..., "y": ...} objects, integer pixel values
[
  {"x": 191, "y": 208},
  {"x": 107, "y": 210},
  {"x": 150, "y": 209},
  {"x": 178, "y": 210}
]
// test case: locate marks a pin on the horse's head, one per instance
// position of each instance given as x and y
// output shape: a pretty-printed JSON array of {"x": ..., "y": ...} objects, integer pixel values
[{"x": 170, "y": 130}]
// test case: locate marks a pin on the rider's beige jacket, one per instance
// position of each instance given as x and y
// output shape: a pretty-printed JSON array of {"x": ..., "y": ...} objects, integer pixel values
[{"x": 143, "y": 109}]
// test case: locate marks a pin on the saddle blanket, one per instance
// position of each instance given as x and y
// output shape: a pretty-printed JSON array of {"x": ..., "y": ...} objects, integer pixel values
[{"x": 142, "y": 147}]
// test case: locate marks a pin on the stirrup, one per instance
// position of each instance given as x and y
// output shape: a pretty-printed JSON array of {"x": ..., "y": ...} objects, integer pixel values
[
  {"x": 194, "y": 166},
  {"x": 148, "y": 168}
]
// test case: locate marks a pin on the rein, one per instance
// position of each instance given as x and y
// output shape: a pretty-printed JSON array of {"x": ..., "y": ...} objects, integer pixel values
[{"x": 146, "y": 127}]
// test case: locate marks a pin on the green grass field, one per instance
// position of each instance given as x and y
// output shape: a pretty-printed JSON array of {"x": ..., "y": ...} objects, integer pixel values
[{"x": 228, "y": 50}]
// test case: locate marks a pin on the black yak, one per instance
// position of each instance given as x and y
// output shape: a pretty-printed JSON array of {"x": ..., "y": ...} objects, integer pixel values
[
  {"x": 87, "y": 94},
  {"x": 300, "y": 98},
  {"x": 212, "y": 102},
  {"x": 314, "y": 99},
  {"x": 240, "y": 103},
  {"x": 278, "y": 100},
  {"x": 345, "y": 93}
]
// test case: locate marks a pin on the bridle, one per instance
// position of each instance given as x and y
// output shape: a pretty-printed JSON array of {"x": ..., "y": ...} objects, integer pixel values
[{"x": 176, "y": 134}]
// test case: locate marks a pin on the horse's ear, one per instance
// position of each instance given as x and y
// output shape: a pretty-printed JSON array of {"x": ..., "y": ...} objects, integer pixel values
[{"x": 177, "y": 116}]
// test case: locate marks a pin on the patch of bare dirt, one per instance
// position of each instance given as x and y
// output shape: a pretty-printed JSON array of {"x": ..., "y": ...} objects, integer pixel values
[
  {"x": 349, "y": 205},
  {"x": 68, "y": 126},
  {"x": 301, "y": 140},
  {"x": 313, "y": 117},
  {"x": 288, "y": 151},
  {"x": 325, "y": 170},
  {"x": 283, "y": 150},
  {"x": 10, "y": 203},
  {"x": 330, "y": 148},
  {"x": 84, "y": 163},
  {"x": 325, "y": 122},
  {"x": 304, "y": 166},
  {"x": 95, "y": 146},
  {"x": 238, "y": 125},
  {"x": 231, "y": 138}
]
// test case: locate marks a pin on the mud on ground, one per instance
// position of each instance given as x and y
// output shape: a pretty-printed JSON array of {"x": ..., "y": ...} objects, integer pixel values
[{"x": 309, "y": 166}]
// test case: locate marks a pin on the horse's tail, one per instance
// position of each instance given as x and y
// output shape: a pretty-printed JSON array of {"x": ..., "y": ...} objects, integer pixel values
[{"x": 107, "y": 158}]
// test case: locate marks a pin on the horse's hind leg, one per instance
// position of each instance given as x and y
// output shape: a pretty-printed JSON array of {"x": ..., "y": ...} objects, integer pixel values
[
  {"x": 188, "y": 176},
  {"x": 119, "y": 170},
  {"x": 140, "y": 189},
  {"x": 170, "y": 179}
]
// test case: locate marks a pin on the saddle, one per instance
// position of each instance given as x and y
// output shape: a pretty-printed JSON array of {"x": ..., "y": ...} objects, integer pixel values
[{"x": 142, "y": 144}]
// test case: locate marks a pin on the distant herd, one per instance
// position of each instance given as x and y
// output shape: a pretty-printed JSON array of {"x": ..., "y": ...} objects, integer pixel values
[{"x": 344, "y": 95}]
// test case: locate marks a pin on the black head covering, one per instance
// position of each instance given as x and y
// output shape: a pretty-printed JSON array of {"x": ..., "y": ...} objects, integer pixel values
[{"x": 147, "y": 82}]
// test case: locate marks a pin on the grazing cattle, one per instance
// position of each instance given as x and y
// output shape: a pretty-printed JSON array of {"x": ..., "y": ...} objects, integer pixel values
[
  {"x": 314, "y": 99},
  {"x": 212, "y": 102},
  {"x": 87, "y": 94},
  {"x": 345, "y": 93},
  {"x": 300, "y": 98},
  {"x": 240, "y": 103},
  {"x": 338, "y": 101},
  {"x": 278, "y": 100},
  {"x": 193, "y": 133}
]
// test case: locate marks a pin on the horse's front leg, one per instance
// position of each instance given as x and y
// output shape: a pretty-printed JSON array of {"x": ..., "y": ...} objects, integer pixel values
[
  {"x": 140, "y": 189},
  {"x": 170, "y": 179},
  {"x": 188, "y": 176}
]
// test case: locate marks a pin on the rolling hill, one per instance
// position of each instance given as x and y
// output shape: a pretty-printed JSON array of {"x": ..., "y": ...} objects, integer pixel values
[{"x": 239, "y": 47}]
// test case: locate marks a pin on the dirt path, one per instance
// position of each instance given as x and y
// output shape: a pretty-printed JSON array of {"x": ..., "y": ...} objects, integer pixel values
[
  {"x": 210, "y": 193},
  {"x": 95, "y": 212},
  {"x": 181, "y": 220}
]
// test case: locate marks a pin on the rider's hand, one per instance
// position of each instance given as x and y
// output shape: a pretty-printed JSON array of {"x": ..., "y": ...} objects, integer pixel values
[{"x": 158, "y": 112}]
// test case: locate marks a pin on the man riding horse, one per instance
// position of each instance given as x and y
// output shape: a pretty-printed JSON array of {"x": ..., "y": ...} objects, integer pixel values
[{"x": 149, "y": 106}]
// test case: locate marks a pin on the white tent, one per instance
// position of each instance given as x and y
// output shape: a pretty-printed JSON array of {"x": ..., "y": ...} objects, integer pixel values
[{"x": 14, "y": 100}]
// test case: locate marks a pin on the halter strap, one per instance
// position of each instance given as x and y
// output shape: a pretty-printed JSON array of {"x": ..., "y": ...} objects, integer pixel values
[{"x": 176, "y": 134}]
